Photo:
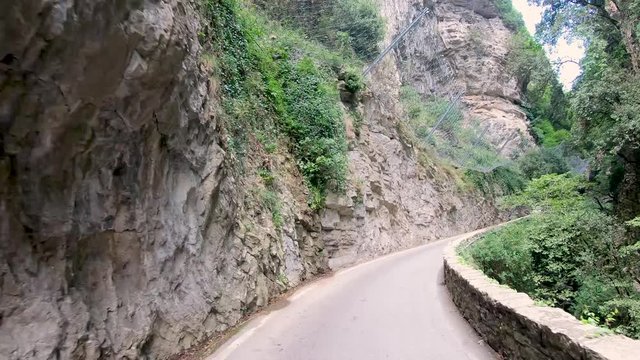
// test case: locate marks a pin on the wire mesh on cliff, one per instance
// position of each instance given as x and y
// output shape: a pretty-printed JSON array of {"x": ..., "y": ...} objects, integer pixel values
[
  {"x": 439, "y": 123},
  {"x": 355, "y": 28}
]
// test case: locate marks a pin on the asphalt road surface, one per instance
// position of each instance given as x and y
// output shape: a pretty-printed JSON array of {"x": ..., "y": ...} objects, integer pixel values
[{"x": 395, "y": 307}]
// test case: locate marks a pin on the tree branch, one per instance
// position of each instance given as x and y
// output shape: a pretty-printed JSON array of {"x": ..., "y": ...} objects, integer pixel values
[
  {"x": 566, "y": 61},
  {"x": 600, "y": 11}
]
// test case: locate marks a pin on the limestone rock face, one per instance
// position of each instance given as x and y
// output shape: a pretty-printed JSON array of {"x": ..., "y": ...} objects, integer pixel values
[
  {"x": 462, "y": 47},
  {"x": 125, "y": 232},
  {"x": 395, "y": 201},
  {"x": 122, "y": 232}
]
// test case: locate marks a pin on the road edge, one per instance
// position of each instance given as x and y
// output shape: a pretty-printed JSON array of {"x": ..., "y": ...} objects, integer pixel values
[{"x": 515, "y": 327}]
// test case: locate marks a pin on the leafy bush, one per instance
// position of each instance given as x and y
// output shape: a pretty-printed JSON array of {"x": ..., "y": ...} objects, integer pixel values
[
  {"x": 511, "y": 17},
  {"x": 360, "y": 23},
  {"x": 548, "y": 135},
  {"x": 568, "y": 254},
  {"x": 551, "y": 192},
  {"x": 275, "y": 82},
  {"x": 314, "y": 122},
  {"x": 543, "y": 161},
  {"x": 352, "y": 27},
  {"x": 354, "y": 82},
  {"x": 505, "y": 255}
]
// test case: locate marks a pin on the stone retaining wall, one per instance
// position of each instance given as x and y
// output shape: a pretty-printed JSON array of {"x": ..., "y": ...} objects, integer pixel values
[{"x": 516, "y": 328}]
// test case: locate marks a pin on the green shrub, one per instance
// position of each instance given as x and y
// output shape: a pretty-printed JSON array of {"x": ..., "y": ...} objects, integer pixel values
[
  {"x": 272, "y": 202},
  {"x": 624, "y": 315},
  {"x": 314, "y": 121},
  {"x": 503, "y": 180},
  {"x": 551, "y": 192},
  {"x": 354, "y": 82},
  {"x": 543, "y": 161},
  {"x": 548, "y": 135},
  {"x": 267, "y": 177},
  {"x": 360, "y": 24},
  {"x": 351, "y": 27},
  {"x": 276, "y": 83},
  {"x": 511, "y": 17},
  {"x": 505, "y": 255},
  {"x": 568, "y": 254}
]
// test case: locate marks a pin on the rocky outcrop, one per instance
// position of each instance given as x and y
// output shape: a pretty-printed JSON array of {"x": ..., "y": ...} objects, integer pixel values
[
  {"x": 462, "y": 47},
  {"x": 517, "y": 328},
  {"x": 123, "y": 232},
  {"x": 394, "y": 200},
  {"x": 127, "y": 232}
]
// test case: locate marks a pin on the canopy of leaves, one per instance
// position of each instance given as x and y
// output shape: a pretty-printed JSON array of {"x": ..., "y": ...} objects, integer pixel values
[
  {"x": 543, "y": 161},
  {"x": 550, "y": 192},
  {"x": 544, "y": 99},
  {"x": 605, "y": 102}
]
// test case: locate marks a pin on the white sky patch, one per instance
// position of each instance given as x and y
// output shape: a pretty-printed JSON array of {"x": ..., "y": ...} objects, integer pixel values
[{"x": 566, "y": 54}]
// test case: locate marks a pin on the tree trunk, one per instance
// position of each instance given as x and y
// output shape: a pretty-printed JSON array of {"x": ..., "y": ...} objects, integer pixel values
[{"x": 628, "y": 206}]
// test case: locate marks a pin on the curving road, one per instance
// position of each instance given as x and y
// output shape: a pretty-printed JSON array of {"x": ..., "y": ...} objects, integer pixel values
[{"x": 395, "y": 307}]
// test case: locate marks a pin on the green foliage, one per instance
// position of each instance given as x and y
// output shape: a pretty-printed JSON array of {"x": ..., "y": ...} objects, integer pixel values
[
  {"x": 505, "y": 255},
  {"x": 510, "y": 16},
  {"x": 634, "y": 223},
  {"x": 567, "y": 254},
  {"x": 606, "y": 97},
  {"x": 314, "y": 121},
  {"x": 543, "y": 161},
  {"x": 355, "y": 27},
  {"x": 624, "y": 315},
  {"x": 503, "y": 180},
  {"x": 544, "y": 100},
  {"x": 276, "y": 83},
  {"x": 458, "y": 144},
  {"x": 272, "y": 202},
  {"x": 550, "y": 192},
  {"x": 354, "y": 82},
  {"x": 317, "y": 199},
  {"x": 607, "y": 100},
  {"x": 267, "y": 176},
  {"x": 548, "y": 135},
  {"x": 360, "y": 22}
]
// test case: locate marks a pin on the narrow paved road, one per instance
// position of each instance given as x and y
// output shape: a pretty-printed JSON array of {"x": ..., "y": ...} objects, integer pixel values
[{"x": 394, "y": 308}]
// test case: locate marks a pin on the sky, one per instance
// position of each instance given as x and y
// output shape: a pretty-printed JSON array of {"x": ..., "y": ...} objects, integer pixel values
[{"x": 568, "y": 72}]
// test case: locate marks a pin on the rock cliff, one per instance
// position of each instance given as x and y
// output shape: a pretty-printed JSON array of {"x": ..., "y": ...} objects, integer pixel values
[
  {"x": 462, "y": 47},
  {"x": 125, "y": 231}
]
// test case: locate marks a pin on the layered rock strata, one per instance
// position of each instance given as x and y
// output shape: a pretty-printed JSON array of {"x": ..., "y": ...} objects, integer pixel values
[
  {"x": 127, "y": 232},
  {"x": 461, "y": 47}
]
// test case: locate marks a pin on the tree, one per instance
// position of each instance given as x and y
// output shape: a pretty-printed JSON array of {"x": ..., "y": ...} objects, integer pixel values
[
  {"x": 567, "y": 16},
  {"x": 606, "y": 98}
]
